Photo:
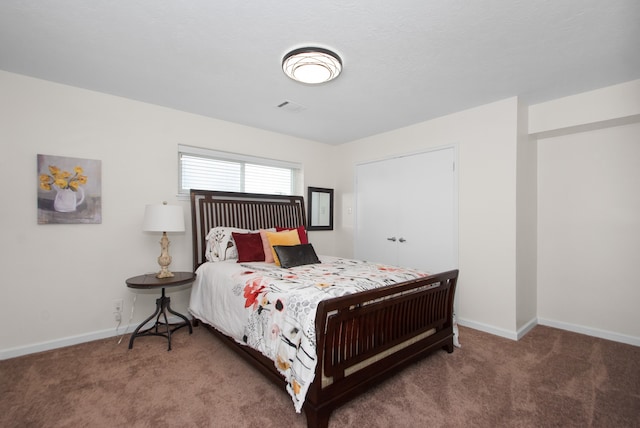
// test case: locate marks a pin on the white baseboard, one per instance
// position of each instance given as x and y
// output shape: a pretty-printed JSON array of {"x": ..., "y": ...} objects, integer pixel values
[
  {"x": 590, "y": 331},
  {"x": 487, "y": 329},
  {"x": 526, "y": 328},
  {"x": 517, "y": 335},
  {"x": 74, "y": 340}
]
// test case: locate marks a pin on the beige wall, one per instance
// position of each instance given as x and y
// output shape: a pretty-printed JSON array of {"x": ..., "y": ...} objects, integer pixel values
[
  {"x": 508, "y": 209},
  {"x": 526, "y": 225},
  {"x": 589, "y": 211},
  {"x": 59, "y": 281},
  {"x": 486, "y": 142},
  {"x": 605, "y": 107},
  {"x": 589, "y": 230}
]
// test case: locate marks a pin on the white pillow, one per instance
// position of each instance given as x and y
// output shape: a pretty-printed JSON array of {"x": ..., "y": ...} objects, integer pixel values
[{"x": 220, "y": 244}]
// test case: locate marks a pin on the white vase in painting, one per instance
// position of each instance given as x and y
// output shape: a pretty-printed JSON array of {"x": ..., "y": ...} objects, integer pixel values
[{"x": 67, "y": 200}]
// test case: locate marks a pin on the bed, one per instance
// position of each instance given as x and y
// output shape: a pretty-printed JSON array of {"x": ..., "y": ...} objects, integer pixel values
[{"x": 357, "y": 339}]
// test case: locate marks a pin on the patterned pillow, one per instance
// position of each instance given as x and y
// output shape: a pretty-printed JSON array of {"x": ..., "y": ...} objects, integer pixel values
[{"x": 220, "y": 244}]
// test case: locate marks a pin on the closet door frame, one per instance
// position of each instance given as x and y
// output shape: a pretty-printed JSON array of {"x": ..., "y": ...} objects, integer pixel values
[{"x": 415, "y": 193}]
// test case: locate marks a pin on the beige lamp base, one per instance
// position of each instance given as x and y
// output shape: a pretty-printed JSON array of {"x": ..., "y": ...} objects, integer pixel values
[
  {"x": 164, "y": 260},
  {"x": 164, "y": 273}
]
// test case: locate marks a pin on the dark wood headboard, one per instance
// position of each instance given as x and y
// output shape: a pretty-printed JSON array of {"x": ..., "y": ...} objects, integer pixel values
[{"x": 243, "y": 210}]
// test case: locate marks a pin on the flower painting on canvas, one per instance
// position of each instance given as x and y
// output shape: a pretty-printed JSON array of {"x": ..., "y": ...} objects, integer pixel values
[{"x": 69, "y": 190}]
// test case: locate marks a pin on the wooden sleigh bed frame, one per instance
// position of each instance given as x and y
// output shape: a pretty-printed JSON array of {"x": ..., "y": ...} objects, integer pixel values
[{"x": 362, "y": 338}]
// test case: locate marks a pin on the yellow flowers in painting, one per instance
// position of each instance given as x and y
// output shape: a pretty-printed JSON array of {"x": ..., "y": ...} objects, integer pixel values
[
  {"x": 63, "y": 179},
  {"x": 69, "y": 190}
]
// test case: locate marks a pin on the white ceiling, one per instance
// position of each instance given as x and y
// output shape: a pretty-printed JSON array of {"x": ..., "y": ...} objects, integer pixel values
[{"x": 405, "y": 61}]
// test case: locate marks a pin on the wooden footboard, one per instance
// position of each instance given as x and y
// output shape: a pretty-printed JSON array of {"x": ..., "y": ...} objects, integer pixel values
[{"x": 366, "y": 337}]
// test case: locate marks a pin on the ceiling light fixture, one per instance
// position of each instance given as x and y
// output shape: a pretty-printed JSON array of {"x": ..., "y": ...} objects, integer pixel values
[{"x": 312, "y": 65}]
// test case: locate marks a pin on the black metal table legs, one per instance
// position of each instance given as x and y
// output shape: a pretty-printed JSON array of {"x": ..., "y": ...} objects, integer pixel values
[{"x": 161, "y": 328}]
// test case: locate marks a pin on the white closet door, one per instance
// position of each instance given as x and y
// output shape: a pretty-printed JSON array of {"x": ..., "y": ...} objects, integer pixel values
[
  {"x": 428, "y": 223},
  {"x": 412, "y": 200},
  {"x": 376, "y": 213}
]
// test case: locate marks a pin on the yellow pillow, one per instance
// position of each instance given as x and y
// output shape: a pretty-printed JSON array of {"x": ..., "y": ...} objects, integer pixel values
[{"x": 288, "y": 237}]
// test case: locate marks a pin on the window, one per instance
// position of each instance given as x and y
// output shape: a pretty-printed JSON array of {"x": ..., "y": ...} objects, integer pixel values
[{"x": 205, "y": 169}]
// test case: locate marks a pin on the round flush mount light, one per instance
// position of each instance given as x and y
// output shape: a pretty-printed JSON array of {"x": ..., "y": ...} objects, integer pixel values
[{"x": 312, "y": 65}]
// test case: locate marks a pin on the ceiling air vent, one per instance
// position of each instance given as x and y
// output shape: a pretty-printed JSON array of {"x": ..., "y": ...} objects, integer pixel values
[{"x": 291, "y": 106}]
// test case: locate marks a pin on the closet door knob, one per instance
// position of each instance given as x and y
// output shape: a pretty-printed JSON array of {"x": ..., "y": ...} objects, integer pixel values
[
  {"x": 392, "y": 239},
  {"x": 402, "y": 240}
]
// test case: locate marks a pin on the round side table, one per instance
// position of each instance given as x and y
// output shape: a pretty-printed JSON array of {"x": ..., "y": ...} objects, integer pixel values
[{"x": 163, "y": 305}]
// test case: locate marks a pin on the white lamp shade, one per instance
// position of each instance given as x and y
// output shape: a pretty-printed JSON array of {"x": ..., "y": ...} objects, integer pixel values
[{"x": 163, "y": 218}]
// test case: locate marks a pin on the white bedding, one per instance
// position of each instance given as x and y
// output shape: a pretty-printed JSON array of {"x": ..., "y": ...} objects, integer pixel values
[{"x": 273, "y": 309}]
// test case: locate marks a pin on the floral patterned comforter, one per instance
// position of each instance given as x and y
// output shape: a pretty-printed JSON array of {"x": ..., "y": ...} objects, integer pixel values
[{"x": 273, "y": 310}]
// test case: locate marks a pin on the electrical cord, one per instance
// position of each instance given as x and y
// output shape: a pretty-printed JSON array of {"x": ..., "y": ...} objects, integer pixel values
[
  {"x": 118, "y": 325},
  {"x": 133, "y": 307}
]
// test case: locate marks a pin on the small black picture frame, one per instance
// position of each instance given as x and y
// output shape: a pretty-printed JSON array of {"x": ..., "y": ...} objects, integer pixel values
[{"x": 320, "y": 212}]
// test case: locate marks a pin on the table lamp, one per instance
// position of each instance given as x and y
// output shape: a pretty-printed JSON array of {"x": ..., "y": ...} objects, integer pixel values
[{"x": 163, "y": 218}]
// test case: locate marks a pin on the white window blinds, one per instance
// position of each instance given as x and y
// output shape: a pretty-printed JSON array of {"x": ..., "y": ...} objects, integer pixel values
[{"x": 211, "y": 170}]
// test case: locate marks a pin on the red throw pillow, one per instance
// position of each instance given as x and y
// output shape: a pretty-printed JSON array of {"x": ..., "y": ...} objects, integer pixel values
[
  {"x": 249, "y": 247},
  {"x": 302, "y": 233}
]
